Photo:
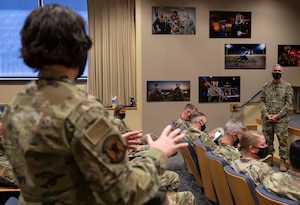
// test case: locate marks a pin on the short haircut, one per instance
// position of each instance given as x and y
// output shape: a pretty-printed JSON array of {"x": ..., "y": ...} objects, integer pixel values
[
  {"x": 195, "y": 116},
  {"x": 233, "y": 125},
  {"x": 249, "y": 138},
  {"x": 294, "y": 154},
  {"x": 190, "y": 106},
  {"x": 54, "y": 35}
]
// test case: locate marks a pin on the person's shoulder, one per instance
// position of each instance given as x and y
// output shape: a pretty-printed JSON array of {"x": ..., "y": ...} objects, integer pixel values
[{"x": 117, "y": 120}]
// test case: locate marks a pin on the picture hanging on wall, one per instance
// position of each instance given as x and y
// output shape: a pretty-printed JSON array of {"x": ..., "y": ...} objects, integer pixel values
[
  {"x": 226, "y": 24},
  {"x": 219, "y": 89},
  {"x": 159, "y": 91},
  {"x": 245, "y": 56},
  {"x": 289, "y": 55},
  {"x": 174, "y": 20}
]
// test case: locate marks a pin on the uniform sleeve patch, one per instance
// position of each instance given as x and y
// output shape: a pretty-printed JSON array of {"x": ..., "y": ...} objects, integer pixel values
[
  {"x": 97, "y": 131},
  {"x": 114, "y": 148}
]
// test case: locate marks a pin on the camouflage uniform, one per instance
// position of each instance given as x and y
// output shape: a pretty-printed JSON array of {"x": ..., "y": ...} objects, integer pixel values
[
  {"x": 65, "y": 149},
  {"x": 227, "y": 152},
  {"x": 192, "y": 134},
  {"x": 285, "y": 184},
  {"x": 252, "y": 168},
  {"x": 7, "y": 177},
  {"x": 181, "y": 198},
  {"x": 121, "y": 125},
  {"x": 182, "y": 124},
  {"x": 276, "y": 99}
]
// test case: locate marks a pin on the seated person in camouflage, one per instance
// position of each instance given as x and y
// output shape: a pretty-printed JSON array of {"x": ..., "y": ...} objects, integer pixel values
[
  {"x": 61, "y": 142},
  {"x": 7, "y": 176},
  {"x": 286, "y": 184},
  {"x": 183, "y": 122},
  {"x": 119, "y": 116},
  {"x": 227, "y": 149},
  {"x": 194, "y": 132},
  {"x": 169, "y": 179},
  {"x": 254, "y": 151}
]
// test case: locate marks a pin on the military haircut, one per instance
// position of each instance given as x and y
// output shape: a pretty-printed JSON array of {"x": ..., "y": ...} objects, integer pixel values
[
  {"x": 294, "y": 154},
  {"x": 190, "y": 106},
  {"x": 233, "y": 125},
  {"x": 54, "y": 35},
  {"x": 194, "y": 117}
]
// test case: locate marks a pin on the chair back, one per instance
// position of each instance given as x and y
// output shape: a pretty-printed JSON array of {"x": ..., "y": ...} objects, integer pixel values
[
  {"x": 191, "y": 162},
  {"x": 242, "y": 187},
  {"x": 267, "y": 198},
  {"x": 208, "y": 185},
  {"x": 216, "y": 166},
  {"x": 12, "y": 201}
]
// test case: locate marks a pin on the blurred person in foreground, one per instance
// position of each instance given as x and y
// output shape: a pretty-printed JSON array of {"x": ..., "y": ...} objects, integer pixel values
[{"x": 61, "y": 142}]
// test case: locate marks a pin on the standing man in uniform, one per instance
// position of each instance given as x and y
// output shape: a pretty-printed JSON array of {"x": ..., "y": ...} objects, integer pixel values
[
  {"x": 276, "y": 101},
  {"x": 61, "y": 142}
]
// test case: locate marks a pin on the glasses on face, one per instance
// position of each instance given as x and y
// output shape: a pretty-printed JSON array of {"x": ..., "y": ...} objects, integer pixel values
[{"x": 276, "y": 71}]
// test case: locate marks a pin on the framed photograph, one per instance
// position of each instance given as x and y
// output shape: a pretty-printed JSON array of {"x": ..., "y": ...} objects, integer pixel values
[
  {"x": 226, "y": 24},
  {"x": 289, "y": 55},
  {"x": 174, "y": 20},
  {"x": 245, "y": 56},
  {"x": 159, "y": 91},
  {"x": 219, "y": 89}
]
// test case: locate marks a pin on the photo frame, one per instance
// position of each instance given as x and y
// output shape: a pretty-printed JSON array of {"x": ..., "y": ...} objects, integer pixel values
[
  {"x": 245, "y": 56},
  {"x": 219, "y": 89},
  {"x": 227, "y": 24},
  {"x": 162, "y": 91},
  {"x": 289, "y": 55},
  {"x": 173, "y": 20}
]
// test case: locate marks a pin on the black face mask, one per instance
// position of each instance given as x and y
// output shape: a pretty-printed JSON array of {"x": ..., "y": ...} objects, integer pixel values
[
  {"x": 276, "y": 76},
  {"x": 236, "y": 142},
  {"x": 263, "y": 152},
  {"x": 122, "y": 115},
  {"x": 82, "y": 65},
  {"x": 203, "y": 127}
]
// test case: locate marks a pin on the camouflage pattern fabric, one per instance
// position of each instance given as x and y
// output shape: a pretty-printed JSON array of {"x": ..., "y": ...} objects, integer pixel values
[
  {"x": 123, "y": 128},
  {"x": 227, "y": 152},
  {"x": 181, "y": 198},
  {"x": 182, "y": 124},
  {"x": 252, "y": 168},
  {"x": 276, "y": 99},
  {"x": 7, "y": 176},
  {"x": 284, "y": 184},
  {"x": 192, "y": 134},
  {"x": 170, "y": 180},
  {"x": 62, "y": 142}
]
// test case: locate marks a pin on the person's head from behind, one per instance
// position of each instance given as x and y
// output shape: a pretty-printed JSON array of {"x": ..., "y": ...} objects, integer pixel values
[
  {"x": 120, "y": 112},
  {"x": 253, "y": 145},
  {"x": 294, "y": 155},
  {"x": 55, "y": 35},
  {"x": 234, "y": 129},
  {"x": 198, "y": 120},
  {"x": 188, "y": 110}
]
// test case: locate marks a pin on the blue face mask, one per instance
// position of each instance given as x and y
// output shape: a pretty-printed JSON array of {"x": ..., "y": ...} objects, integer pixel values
[{"x": 263, "y": 152}]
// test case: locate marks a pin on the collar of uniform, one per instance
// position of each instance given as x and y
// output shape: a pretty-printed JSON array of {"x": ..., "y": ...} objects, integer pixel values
[{"x": 53, "y": 75}]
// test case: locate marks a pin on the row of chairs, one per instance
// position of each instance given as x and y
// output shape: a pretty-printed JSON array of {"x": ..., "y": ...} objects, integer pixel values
[{"x": 221, "y": 184}]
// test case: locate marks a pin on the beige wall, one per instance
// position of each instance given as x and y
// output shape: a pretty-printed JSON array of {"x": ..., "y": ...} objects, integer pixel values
[
  {"x": 182, "y": 57},
  {"x": 188, "y": 57}
]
